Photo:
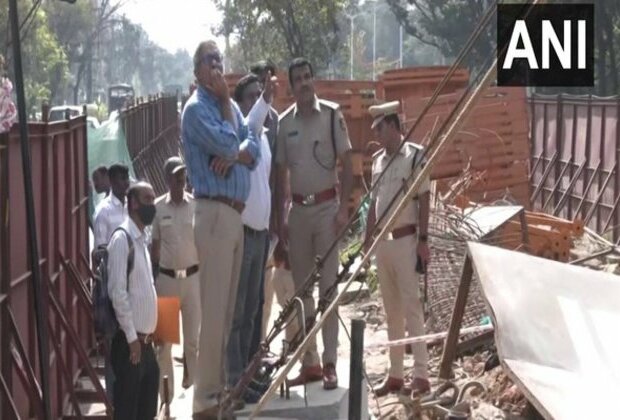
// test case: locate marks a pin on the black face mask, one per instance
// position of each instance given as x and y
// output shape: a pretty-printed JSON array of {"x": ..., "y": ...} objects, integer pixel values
[{"x": 147, "y": 213}]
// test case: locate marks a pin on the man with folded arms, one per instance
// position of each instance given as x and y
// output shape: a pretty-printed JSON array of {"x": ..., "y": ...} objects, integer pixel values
[{"x": 220, "y": 152}]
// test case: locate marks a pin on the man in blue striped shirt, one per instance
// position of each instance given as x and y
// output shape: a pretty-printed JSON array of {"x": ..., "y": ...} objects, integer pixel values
[{"x": 220, "y": 152}]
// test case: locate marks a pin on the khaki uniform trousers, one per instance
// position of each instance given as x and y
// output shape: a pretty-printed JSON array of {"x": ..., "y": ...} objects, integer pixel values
[
  {"x": 399, "y": 283},
  {"x": 278, "y": 281},
  {"x": 219, "y": 240},
  {"x": 311, "y": 233},
  {"x": 188, "y": 292}
]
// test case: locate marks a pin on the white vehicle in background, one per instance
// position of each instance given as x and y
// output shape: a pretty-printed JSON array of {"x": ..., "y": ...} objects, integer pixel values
[{"x": 62, "y": 112}]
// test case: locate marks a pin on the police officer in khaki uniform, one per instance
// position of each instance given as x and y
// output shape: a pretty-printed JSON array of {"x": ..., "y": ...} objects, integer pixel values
[
  {"x": 174, "y": 250},
  {"x": 311, "y": 139},
  {"x": 398, "y": 252}
]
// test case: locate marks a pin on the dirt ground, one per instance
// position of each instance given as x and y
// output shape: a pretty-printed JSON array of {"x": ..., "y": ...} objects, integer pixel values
[{"x": 501, "y": 401}]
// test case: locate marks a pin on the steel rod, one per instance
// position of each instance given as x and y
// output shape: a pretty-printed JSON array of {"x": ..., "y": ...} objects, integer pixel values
[
  {"x": 37, "y": 288},
  {"x": 424, "y": 172},
  {"x": 570, "y": 187}
]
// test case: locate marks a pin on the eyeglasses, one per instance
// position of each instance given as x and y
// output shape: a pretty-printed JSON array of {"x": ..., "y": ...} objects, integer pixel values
[{"x": 212, "y": 58}]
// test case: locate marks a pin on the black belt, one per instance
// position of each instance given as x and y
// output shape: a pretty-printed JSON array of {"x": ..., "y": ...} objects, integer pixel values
[
  {"x": 179, "y": 274},
  {"x": 250, "y": 231}
]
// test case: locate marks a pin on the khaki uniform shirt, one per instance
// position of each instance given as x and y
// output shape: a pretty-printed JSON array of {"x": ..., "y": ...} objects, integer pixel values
[
  {"x": 393, "y": 180},
  {"x": 304, "y": 145},
  {"x": 174, "y": 228}
]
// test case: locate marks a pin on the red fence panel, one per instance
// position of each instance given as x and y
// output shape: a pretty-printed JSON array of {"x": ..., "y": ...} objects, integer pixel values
[
  {"x": 60, "y": 182},
  {"x": 571, "y": 132}
]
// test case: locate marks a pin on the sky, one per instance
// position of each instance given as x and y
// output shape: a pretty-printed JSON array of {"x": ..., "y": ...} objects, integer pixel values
[{"x": 174, "y": 24}]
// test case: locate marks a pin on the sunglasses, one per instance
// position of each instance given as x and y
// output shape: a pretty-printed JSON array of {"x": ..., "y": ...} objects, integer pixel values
[{"x": 212, "y": 58}]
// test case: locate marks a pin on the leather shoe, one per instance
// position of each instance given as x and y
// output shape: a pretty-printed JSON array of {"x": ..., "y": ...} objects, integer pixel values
[
  {"x": 306, "y": 375},
  {"x": 330, "y": 377},
  {"x": 390, "y": 384},
  {"x": 417, "y": 387}
]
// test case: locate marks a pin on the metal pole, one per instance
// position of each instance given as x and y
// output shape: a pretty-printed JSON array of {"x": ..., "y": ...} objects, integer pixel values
[
  {"x": 351, "y": 61},
  {"x": 30, "y": 216},
  {"x": 400, "y": 42},
  {"x": 374, "y": 41},
  {"x": 357, "y": 367}
]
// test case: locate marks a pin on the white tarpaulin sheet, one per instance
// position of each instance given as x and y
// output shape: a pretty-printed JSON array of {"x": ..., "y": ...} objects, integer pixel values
[{"x": 557, "y": 330}]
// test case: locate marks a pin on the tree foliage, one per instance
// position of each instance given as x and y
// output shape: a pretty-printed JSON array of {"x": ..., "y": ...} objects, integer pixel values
[
  {"x": 281, "y": 30},
  {"x": 72, "y": 53},
  {"x": 44, "y": 61},
  {"x": 448, "y": 24}
]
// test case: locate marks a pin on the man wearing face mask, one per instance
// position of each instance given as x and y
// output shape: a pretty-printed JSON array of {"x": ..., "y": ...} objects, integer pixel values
[{"x": 131, "y": 290}]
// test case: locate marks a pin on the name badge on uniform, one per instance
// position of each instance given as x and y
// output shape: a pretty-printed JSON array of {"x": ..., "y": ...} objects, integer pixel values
[
  {"x": 293, "y": 133},
  {"x": 166, "y": 221}
]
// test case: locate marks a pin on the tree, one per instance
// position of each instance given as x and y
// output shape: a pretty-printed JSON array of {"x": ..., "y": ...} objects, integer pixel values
[
  {"x": 281, "y": 30},
  {"x": 77, "y": 26},
  {"x": 447, "y": 25},
  {"x": 44, "y": 61}
]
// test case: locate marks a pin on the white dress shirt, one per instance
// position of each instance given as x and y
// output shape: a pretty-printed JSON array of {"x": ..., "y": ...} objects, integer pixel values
[
  {"x": 258, "y": 205},
  {"x": 109, "y": 215},
  {"x": 135, "y": 306}
]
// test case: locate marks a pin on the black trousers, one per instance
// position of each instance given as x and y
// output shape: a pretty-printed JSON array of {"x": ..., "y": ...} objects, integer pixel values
[{"x": 136, "y": 386}]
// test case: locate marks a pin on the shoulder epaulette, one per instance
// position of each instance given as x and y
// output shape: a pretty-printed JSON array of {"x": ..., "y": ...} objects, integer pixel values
[
  {"x": 286, "y": 113},
  {"x": 329, "y": 104},
  {"x": 377, "y": 153}
]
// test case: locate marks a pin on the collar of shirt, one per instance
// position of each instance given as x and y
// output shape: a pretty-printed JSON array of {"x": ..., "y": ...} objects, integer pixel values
[
  {"x": 115, "y": 201},
  {"x": 206, "y": 95},
  {"x": 169, "y": 198},
  {"x": 133, "y": 229},
  {"x": 400, "y": 151},
  {"x": 315, "y": 106}
]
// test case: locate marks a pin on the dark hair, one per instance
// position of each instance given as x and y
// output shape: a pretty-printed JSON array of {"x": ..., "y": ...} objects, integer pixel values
[
  {"x": 296, "y": 63},
  {"x": 242, "y": 84},
  {"x": 263, "y": 66},
  {"x": 118, "y": 170},
  {"x": 101, "y": 170},
  {"x": 392, "y": 118},
  {"x": 134, "y": 190}
]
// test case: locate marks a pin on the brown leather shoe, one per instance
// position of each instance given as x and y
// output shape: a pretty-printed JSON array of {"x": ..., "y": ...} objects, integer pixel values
[
  {"x": 330, "y": 377},
  {"x": 390, "y": 384},
  {"x": 417, "y": 387},
  {"x": 306, "y": 375}
]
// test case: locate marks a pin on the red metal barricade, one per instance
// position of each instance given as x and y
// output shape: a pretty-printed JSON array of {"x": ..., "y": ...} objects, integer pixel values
[{"x": 60, "y": 180}]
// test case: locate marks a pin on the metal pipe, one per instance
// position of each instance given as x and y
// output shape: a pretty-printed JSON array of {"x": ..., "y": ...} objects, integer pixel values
[
  {"x": 356, "y": 370},
  {"x": 41, "y": 327},
  {"x": 455, "y": 125}
]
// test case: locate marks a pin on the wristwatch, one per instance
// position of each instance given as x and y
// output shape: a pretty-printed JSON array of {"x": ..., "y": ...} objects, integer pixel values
[{"x": 423, "y": 238}]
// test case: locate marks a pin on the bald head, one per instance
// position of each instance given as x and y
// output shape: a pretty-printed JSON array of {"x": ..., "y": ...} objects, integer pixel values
[{"x": 139, "y": 194}]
